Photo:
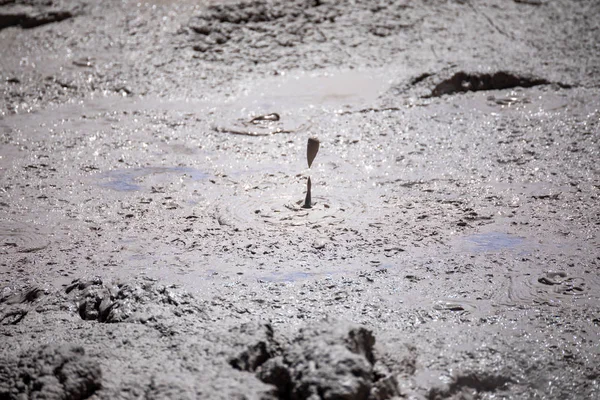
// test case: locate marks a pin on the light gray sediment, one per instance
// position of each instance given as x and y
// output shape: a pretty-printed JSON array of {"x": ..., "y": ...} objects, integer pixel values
[{"x": 153, "y": 242}]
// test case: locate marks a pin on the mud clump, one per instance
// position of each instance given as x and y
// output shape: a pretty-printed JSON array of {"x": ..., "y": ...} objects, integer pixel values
[
  {"x": 50, "y": 372},
  {"x": 141, "y": 301},
  {"x": 263, "y": 347},
  {"x": 325, "y": 361}
]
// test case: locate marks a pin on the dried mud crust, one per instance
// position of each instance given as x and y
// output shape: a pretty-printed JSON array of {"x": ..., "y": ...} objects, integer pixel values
[
  {"x": 266, "y": 31},
  {"x": 329, "y": 359}
]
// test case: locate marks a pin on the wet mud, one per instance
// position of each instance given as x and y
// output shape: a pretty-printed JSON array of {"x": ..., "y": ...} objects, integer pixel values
[{"x": 166, "y": 232}]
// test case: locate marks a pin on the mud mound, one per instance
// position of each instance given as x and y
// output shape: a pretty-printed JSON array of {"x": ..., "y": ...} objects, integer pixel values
[
  {"x": 326, "y": 361},
  {"x": 50, "y": 372},
  {"x": 141, "y": 301}
]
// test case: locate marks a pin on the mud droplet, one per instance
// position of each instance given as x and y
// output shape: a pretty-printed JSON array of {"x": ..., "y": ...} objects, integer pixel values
[{"x": 312, "y": 149}]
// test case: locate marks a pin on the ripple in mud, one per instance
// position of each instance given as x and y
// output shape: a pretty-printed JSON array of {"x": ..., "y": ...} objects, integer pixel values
[
  {"x": 264, "y": 210},
  {"x": 552, "y": 288},
  {"x": 19, "y": 237},
  {"x": 129, "y": 180}
]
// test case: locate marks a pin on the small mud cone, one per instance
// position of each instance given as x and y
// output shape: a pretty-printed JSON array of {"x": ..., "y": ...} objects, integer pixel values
[
  {"x": 312, "y": 149},
  {"x": 307, "y": 200}
]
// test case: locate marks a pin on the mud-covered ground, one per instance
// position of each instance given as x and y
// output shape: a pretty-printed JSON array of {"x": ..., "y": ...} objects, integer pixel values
[{"x": 152, "y": 239}]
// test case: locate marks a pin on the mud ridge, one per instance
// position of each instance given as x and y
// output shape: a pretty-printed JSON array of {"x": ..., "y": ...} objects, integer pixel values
[{"x": 462, "y": 81}]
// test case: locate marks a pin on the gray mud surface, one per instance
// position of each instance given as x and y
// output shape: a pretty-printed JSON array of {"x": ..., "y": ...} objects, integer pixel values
[{"x": 153, "y": 243}]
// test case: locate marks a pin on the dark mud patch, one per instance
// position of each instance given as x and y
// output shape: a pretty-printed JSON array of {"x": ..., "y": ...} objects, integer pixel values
[
  {"x": 462, "y": 82},
  {"x": 553, "y": 288},
  {"x": 30, "y": 15},
  {"x": 453, "y": 80},
  {"x": 50, "y": 372},
  {"x": 14, "y": 307},
  {"x": 263, "y": 347}
]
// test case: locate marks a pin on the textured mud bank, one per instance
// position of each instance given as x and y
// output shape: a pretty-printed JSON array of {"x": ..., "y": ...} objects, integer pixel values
[{"x": 153, "y": 171}]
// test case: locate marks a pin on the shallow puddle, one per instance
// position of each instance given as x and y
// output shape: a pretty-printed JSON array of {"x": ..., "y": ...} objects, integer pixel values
[
  {"x": 531, "y": 101},
  {"x": 492, "y": 241},
  {"x": 337, "y": 88},
  {"x": 134, "y": 179}
]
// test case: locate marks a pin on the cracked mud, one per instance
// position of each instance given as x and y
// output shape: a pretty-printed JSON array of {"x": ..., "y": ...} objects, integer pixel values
[{"x": 153, "y": 172}]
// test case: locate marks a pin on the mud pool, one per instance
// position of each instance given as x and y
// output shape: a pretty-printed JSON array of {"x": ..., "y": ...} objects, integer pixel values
[{"x": 153, "y": 169}]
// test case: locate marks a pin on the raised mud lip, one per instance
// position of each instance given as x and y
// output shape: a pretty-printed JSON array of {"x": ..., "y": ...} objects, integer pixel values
[
  {"x": 463, "y": 79},
  {"x": 28, "y": 17}
]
